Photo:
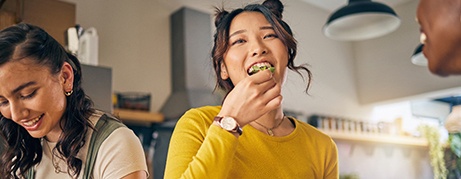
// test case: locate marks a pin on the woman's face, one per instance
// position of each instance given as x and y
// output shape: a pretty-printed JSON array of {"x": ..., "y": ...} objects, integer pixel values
[
  {"x": 440, "y": 23},
  {"x": 34, "y": 98},
  {"x": 253, "y": 41}
]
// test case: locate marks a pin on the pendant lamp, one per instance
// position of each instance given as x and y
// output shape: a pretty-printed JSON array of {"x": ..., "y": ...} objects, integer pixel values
[
  {"x": 418, "y": 57},
  {"x": 361, "y": 20}
]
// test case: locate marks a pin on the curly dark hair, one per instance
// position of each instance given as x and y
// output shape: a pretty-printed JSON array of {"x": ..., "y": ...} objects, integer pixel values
[
  {"x": 21, "y": 151},
  {"x": 272, "y": 11}
]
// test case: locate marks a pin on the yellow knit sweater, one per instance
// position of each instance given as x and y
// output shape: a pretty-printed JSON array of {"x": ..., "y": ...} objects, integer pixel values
[{"x": 199, "y": 151}]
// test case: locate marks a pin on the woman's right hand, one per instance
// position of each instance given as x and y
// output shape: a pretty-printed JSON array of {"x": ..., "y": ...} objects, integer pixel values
[{"x": 252, "y": 97}]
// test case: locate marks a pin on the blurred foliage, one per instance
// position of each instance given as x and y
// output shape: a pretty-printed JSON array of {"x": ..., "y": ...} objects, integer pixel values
[
  {"x": 452, "y": 156},
  {"x": 436, "y": 150},
  {"x": 349, "y": 176}
]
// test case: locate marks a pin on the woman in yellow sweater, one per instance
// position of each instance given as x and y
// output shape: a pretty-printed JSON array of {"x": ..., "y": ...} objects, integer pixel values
[{"x": 249, "y": 136}]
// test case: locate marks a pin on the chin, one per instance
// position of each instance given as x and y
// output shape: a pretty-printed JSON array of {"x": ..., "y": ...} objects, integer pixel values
[
  {"x": 443, "y": 66},
  {"x": 36, "y": 135},
  {"x": 442, "y": 71},
  {"x": 436, "y": 71}
]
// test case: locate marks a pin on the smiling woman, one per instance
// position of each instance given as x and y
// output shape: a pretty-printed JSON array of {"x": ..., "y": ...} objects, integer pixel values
[
  {"x": 243, "y": 138},
  {"x": 48, "y": 124}
]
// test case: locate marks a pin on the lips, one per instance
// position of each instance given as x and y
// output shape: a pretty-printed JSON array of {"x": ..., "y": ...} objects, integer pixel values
[
  {"x": 32, "y": 122},
  {"x": 257, "y": 67}
]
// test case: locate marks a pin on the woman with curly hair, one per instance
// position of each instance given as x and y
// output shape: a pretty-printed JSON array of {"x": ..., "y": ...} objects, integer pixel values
[
  {"x": 249, "y": 136},
  {"x": 48, "y": 125}
]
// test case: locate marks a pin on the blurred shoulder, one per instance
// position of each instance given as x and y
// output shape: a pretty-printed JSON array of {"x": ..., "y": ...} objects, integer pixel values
[
  {"x": 204, "y": 114},
  {"x": 204, "y": 110}
]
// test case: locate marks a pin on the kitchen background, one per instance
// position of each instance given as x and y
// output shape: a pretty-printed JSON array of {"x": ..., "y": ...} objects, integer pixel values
[
  {"x": 349, "y": 77},
  {"x": 371, "y": 80}
]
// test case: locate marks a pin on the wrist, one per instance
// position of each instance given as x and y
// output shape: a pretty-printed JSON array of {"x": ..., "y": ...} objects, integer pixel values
[
  {"x": 229, "y": 124},
  {"x": 233, "y": 133}
]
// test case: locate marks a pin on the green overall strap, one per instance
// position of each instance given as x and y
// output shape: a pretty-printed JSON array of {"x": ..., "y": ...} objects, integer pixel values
[
  {"x": 31, "y": 173},
  {"x": 104, "y": 127}
]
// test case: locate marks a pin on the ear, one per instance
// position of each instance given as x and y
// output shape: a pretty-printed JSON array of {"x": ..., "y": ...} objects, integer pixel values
[
  {"x": 224, "y": 74},
  {"x": 67, "y": 77}
]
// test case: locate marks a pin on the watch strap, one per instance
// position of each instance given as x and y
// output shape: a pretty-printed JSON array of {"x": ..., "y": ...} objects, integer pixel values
[{"x": 237, "y": 128}]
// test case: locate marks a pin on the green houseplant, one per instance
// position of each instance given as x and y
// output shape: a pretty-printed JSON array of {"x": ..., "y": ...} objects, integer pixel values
[
  {"x": 453, "y": 126},
  {"x": 436, "y": 150}
]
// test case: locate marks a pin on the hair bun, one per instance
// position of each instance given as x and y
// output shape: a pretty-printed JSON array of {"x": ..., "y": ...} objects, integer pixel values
[
  {"x": 275, "y": 6},
  {"x": 220, "y": 14}
]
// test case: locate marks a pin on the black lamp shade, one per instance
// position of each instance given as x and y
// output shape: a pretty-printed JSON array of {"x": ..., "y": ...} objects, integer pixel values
[
  {"x": 361, "y": 20},
  {"x": 418, "y": 57}
]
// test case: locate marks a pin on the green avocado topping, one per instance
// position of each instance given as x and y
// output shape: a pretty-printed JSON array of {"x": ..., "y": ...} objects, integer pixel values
[{"x": 256, "y": 69}]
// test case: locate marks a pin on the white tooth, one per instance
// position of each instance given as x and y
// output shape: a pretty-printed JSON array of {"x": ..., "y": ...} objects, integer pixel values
[{"x": 32, "y": 122}]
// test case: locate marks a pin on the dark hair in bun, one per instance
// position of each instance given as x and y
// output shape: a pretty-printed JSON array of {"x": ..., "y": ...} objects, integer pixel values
[
  {"x": 275, "y": 6},
  {"x": 272, "y": 11},
  {"x": 219, "y": 15}
]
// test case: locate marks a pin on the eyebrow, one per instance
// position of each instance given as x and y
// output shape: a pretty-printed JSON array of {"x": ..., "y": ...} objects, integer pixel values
[
  {"x": 236, "y": 33},
  {"x": 266, "y": 28},
  {"x": 242, "y": 31},
  {"x": 19, "y": 88}
]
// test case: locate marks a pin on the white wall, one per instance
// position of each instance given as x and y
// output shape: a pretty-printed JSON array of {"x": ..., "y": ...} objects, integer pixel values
[
  {"x": 384, "y": 69},
  {"x": 331, "y": 62},
  {"x": 384, "y": 161},
  {"x": 134, "y": 40}
]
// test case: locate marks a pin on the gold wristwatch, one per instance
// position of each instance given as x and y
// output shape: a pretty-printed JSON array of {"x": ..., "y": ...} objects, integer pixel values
[{"x": 229, "y": 124}]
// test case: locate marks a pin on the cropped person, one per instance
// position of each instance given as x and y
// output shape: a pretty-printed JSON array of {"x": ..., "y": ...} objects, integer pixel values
[
  {"x": 440, "y": 23},
  {"x": 249, "y": 136},
  {"x": 48, "y": 124}
]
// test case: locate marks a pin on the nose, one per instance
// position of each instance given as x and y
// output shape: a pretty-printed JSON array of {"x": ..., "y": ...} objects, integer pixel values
[
  {"x": 258, "y": 48},
  {"x": 18, "y": 111}
]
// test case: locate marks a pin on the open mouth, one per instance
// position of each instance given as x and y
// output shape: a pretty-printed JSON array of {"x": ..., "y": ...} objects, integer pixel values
[
  {"x": 257, "y": 67},
  {"x": 32, "y": 122}
]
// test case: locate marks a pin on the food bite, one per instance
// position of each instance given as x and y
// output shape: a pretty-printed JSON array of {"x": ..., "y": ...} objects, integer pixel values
[{"x": 260, "y": 67}]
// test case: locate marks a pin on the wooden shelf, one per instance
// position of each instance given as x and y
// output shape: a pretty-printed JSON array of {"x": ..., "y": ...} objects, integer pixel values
[
  {"x": 377, "y": 138},
  {"x": 138, "y": 116}
]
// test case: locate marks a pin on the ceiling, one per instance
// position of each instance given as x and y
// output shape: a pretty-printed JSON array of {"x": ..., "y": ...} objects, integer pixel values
[{"x": 331, "y": 5}]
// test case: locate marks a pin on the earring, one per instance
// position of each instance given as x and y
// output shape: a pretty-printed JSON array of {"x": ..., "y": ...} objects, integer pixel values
[
  {"x": 68, "y": 93},
  {"x": 422, "y": 38},
  {"x": 224, "y": 75}
]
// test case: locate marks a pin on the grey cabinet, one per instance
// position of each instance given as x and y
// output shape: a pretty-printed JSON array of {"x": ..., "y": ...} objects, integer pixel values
[{"x": 97, "y": 83}]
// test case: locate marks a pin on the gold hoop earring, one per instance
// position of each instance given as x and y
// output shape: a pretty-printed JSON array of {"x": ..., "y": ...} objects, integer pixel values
[{"x": 68, "y": 93}]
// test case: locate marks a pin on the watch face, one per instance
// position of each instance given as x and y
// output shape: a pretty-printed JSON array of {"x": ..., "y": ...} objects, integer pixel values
[{"x": 228, "y": 123}]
